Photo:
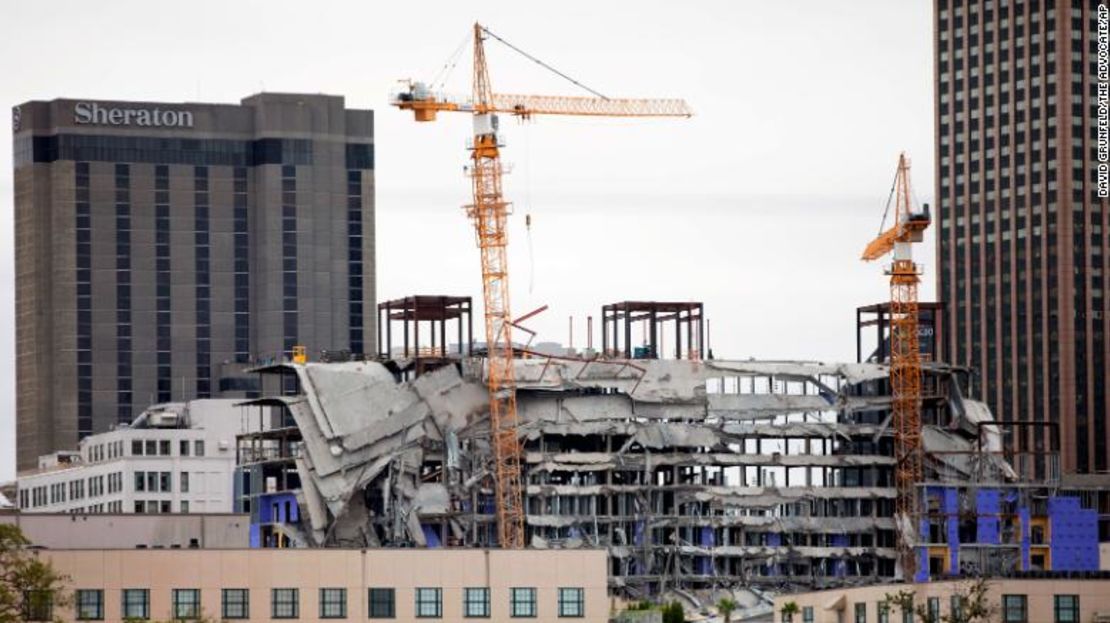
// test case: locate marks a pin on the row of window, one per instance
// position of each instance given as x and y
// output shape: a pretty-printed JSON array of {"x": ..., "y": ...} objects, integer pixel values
[
  {"x": 354, "y": 264},
  {"x": 59, "y": 493},
  {"x": 285, "y": 603},
  {"x": 202, "y": 271},
  {"x": 1015, "y": 609},
  {"x": 163, "y": 447},
  {"x": 83, "y": 258},
  {"x": 159, "y": 482},
  {"x": 124, "y": 395}
]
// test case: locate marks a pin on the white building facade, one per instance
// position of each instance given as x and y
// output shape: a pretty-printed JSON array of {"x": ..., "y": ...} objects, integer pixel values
[{"x": 173, "y": 458}]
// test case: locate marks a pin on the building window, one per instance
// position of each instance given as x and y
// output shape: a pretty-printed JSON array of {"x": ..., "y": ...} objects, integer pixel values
[
  {"x": 572, "y": 602},
  {"x": 163, "y": 279},
  {"x": 429, "y": 603},
  {"x": 861, "y": 613},
  {"x": 38, "y": 606},
  {"x": 934, "y": 608},
  {"x": 186, "y": 603},
  {"x": 285, "y": 603},
  {"x": 807, "y": 614},
  {"x": 164, "y": 447},
  {"x": 522, "y": 602},
  {"x": 241, "y": 266},
  {"x": 203, "y": 288},
  {"x": 382, "y": 602},
  {"x": 83, "y": 249},
  {"x": 123, "y": 295},
  {"x": 136, "y": 603},
  {"x": 183, "y": 480},
  {"x": 956, "y": 605},
  {"x": 333, "y": 603},
  {"x": 164, "y": 483},
  {"x": 1014, "y": 609},
  {"x": 355, "y": 293},
  {"x": 475, "y": 602},
  {"x": 183, "y": 450},
  {"x": 140, "y": 481},
  {"x": 907, "y": 611},
  {"x": 1066, "y": 608},
  {"x": 90, "y": 605},
  {"x": 198, "y": 447},
  {"x": 136, "y": 447},
  {"x": 236, "y": 603},
  {"x": 184, "y": 506}
]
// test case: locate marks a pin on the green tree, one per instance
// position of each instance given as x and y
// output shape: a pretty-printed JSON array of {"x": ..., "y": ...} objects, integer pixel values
[
  {"x": 674, "y": 613},
  {"x": 972, "y": 604},
  {"x": 789, "y": 609},
  {"x": 30, "y": 588},
  {"x": 727, "y": 606}
]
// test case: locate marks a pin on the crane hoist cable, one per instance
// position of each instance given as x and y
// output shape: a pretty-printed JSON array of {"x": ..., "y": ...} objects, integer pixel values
[{"x": 543, "y": 64}]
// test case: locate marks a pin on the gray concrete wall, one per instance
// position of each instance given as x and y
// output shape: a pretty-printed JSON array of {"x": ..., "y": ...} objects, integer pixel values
[{"x": 103, "y": 531}]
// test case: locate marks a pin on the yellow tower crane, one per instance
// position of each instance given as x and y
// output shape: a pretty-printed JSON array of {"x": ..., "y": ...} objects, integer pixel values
[
  {"x": 905, "y": 356},
  {"x": 489, "y": 212}
]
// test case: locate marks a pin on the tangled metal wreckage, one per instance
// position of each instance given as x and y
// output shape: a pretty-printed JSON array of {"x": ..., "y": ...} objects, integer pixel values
[{"x": 693, "y": 474}]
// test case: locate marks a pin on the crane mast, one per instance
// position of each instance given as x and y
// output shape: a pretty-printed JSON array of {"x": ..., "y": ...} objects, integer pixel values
[
  {"x": 489, "y": 213},
  {"x": 905, "y": 359}
]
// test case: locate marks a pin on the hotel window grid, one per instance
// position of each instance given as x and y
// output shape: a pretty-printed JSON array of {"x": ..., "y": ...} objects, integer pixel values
[
  {"x": 333, "y": 603},
  {"x": 203, "y": 265},
  {"x": 123, "y": 293},
  {"x": 572, "y": 602},
  {"x": 354, "y": 260},
  {"x": 186, "y": 603},
  {"x": 241, "y": 235},
  {"x": 1015, "y": 609},
  {"x": 83, "y": 234},
  {"x": 382, "y": 603},
  {"x": 861, "y": 613},
  {"x": 38, "y": 606},
  {"x": 135, "y": 603},
  {"x": 1030, "y": 391},
  {"x": 429, "y": 603},
  {"x": 522, "y": 602},
  {"x": 163, "y": 281},
  {"x": 1065, "y": 608},
  {"x": 476, "y": 602},
  {"x": 285, "y": 603},
  {"x": 235, "y": 603},
  {"x": 90, "y": 604},
  {"x": 289, "y": 256}
]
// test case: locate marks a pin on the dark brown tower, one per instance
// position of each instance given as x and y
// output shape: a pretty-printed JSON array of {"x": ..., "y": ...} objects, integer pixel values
[{"x": 1021, "y": 243}]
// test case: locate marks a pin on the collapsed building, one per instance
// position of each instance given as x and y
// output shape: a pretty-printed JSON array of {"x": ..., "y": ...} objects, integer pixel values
[{"x": 694, "y": 474}]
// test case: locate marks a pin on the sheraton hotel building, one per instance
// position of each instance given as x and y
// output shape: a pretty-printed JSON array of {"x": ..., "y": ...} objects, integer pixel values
[{"x": 163, "y": 248}]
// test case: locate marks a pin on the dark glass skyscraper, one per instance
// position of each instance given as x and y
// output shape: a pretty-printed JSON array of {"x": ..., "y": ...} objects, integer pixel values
[
  {"x": 1022, "y": 242},
  {"x": 161, "y": 248}
]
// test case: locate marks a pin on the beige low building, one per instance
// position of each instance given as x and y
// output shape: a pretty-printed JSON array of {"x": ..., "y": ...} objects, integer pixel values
[
  {"x": 314, "y": 584},
  {"x": 1016, "y": 601}
]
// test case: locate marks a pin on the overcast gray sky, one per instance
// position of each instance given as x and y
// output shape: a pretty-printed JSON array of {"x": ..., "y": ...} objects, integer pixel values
[{"x": 758, "y": 206}]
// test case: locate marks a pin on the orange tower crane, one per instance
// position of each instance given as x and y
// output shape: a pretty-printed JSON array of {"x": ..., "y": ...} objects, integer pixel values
[
  {"x": 489, "y": 212},
  {"x": 905, "y": 355}
]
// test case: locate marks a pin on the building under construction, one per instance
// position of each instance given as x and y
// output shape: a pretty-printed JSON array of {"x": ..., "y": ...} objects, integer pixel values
[{"x": 694, "y": 474}]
